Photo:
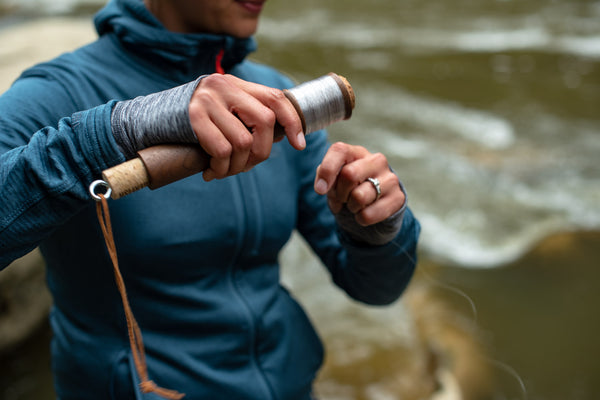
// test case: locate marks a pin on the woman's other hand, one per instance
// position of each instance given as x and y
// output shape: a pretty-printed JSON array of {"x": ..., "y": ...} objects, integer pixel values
[{"x": 344, "y": 176}]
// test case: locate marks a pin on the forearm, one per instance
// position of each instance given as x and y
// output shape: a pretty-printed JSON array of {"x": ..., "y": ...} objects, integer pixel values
[
  {"x": 45, "y": 182},
  {"x": 375, "y": 273},
  {"x": 45, "y": 176},
  {"x": 378, "y": 274}
]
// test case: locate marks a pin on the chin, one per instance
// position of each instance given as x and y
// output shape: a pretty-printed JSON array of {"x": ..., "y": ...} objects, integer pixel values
[{"x": 243, "y": 30}]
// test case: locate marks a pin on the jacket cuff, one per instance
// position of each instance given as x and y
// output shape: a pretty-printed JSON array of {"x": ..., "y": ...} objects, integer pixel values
[
  {"x": 93, "y": 131},
  {"x": 373, "y": 235}
]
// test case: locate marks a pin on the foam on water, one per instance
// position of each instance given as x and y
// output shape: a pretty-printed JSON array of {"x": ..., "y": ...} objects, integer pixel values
[
  {"x": 479, "y": 35},
  {"x": 448, "y": 243},
  {"x": 47, "y": 6},
  {"x": 429, "y": 114}
]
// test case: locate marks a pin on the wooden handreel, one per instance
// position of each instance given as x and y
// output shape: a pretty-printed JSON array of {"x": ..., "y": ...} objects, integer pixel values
[{"x": 160, "y": 165}]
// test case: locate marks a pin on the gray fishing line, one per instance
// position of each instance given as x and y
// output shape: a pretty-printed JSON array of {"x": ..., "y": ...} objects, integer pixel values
[{"x": 321, "y": 101}]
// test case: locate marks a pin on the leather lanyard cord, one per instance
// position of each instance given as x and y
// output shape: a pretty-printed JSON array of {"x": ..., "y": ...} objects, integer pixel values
[{"x": 135, "y": 334}]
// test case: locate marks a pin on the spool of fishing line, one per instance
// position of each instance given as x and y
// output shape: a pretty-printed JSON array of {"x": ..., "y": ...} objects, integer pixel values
[{"x": 322, "y": 101}]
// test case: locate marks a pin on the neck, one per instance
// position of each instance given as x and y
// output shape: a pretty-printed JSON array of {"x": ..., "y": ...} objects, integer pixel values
[{"x": 165, "y": 14}]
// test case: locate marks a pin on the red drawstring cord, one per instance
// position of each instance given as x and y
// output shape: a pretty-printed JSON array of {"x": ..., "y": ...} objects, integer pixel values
[{"x": 218, "y": 60}]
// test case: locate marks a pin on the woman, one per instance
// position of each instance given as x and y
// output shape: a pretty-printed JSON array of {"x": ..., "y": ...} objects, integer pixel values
[{"x": 199, "y": 256}]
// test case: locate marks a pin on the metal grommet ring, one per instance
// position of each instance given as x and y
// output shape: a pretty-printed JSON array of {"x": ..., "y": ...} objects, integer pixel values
[
  {"x": 102, "y": 183},
  {"x": 377, "y": 186}
]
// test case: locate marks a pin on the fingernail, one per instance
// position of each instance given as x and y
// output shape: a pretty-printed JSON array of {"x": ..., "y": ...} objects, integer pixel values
[
  {"x": 301, "y": 140},
  {"x": 321, "y": 186}
]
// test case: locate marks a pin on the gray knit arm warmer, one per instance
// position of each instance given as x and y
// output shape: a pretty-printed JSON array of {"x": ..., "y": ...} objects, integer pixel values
[
  {"x": 157, "y": 118},
  {"x": 375, "y": 235}
]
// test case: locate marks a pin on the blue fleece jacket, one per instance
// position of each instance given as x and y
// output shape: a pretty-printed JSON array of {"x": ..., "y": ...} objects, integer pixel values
[{"x": 199, "y": 259}]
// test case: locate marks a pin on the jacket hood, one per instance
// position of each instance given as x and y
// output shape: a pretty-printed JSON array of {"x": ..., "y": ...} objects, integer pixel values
[{"x": 190, "y": 54}]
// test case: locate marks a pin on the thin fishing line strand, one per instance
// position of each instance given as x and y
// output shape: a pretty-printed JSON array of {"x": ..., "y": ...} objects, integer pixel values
[
  {"x": 499, "y": 364},
  {"x": 321, "y": 101},
  {"x": 438, "y": 283},
  {"x": 453, "y": 289},
  {"x": 512, "y": 372}
]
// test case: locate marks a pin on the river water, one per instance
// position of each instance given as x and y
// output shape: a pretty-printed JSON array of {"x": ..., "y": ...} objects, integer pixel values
[
  {"x": 489, "y": 112},
  {"x": 488, "y": 109}
]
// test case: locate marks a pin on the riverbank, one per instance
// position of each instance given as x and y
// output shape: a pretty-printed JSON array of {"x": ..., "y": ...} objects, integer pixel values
[{"x": 527, "y": 330}]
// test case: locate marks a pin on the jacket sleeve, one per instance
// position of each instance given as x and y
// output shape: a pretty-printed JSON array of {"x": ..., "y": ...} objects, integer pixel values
[
  {"x": 371, "y": 274},
  {"x": 48, "y": 157}
]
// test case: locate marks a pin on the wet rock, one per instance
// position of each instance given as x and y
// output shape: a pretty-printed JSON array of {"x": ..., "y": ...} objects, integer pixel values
[{"x": 453, "y": 339}]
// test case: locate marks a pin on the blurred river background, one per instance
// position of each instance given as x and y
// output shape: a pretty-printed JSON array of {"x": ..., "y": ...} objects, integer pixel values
[{"x": 489, "y": 111}]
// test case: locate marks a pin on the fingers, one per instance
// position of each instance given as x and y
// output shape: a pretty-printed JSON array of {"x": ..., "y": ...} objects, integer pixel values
[
  {"x": 234, "y": 122},
  {"x": 343, "y": 176},
  {"x": 285, "y": 112},
  {"x": 338, "y": 156},
  {"x": 372, "y": 211},
  {"x": 227, "y": 141}
]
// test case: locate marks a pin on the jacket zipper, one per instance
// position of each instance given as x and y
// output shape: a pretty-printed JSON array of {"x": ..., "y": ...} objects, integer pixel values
[{"x": 250, "y": 318}]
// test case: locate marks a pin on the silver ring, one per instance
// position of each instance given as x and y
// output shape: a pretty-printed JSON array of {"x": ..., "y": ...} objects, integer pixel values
[
  {"x": 105, "y": 185},
  {"x": 377, "y": 186}
]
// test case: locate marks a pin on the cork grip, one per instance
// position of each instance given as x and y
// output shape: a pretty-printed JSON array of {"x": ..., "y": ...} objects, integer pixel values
[{"x": 160, "y": 165}]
